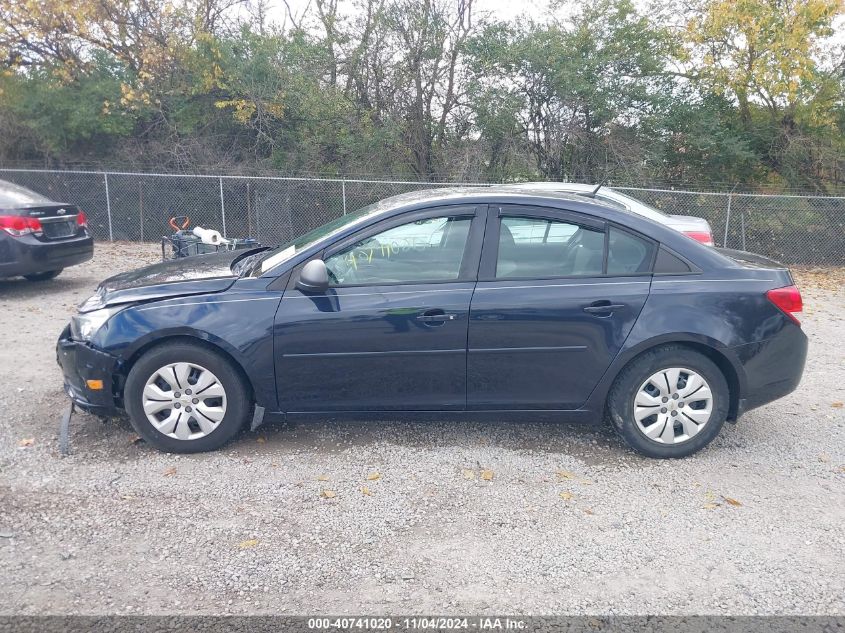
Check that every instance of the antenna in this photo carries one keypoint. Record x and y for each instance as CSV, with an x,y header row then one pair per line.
x,y
592,194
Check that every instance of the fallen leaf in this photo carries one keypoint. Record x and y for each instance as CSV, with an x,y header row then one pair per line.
x,y
588,511
841,469
366,491
710,506
247,544
323,478
565,474
586,482
824,458
838,405
273,465
328,494
487,475
136,439
260,440
567,496
732,502
373,476
27,442
127,497
170,471
468,474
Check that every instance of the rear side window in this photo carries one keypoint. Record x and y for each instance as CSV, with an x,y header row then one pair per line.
x,y
669,264
538,247
628,254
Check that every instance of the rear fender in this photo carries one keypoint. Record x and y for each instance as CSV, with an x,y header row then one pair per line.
x,y
723,356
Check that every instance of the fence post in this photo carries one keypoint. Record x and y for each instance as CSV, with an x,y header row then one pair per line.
x,y
141,206
728,218
222,206
108,205
343,188
742,224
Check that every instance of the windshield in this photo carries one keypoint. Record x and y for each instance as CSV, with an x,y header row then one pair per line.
x,y
280,254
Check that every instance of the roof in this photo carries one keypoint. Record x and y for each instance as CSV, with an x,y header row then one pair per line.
x,y
435,194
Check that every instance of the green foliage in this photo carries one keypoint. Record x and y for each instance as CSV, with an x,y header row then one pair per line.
x,y
63,118
741,92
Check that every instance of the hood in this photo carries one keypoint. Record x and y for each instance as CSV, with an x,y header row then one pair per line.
x,y
199,274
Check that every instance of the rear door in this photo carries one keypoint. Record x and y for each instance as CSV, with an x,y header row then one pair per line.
x,y
391,331
558,294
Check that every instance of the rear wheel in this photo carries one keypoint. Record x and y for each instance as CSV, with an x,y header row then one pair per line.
x,y
669,402
45,276
186,398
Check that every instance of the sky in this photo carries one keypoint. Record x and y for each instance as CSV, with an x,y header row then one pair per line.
x,y
502,9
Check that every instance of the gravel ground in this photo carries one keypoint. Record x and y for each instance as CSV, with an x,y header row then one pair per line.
x,y
394,518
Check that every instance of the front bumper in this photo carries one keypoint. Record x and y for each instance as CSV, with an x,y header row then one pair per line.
x,y
81,362
28,255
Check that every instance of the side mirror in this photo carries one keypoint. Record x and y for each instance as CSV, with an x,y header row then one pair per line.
x,y
314,277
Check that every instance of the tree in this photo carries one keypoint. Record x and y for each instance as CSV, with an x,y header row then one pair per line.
x,y
774,57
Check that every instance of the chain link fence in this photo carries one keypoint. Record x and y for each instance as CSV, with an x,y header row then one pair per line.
x,y
137,206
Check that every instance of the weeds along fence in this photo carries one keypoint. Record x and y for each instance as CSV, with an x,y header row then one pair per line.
x,y
136,207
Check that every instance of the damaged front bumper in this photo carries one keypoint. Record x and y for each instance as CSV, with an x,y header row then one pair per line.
x,y
92,378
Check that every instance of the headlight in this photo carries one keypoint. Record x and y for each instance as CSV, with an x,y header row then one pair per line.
x,y
83,327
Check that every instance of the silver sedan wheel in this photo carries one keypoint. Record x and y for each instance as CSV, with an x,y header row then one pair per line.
x,y
673,405
184,401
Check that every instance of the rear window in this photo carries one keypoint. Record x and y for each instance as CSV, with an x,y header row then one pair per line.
x,y
12,196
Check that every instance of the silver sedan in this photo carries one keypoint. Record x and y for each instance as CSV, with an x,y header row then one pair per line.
x,y
691,226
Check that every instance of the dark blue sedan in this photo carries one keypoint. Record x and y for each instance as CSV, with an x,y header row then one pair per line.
x,y
485,303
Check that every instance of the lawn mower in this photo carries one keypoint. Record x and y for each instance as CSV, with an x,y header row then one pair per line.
x,y
186,242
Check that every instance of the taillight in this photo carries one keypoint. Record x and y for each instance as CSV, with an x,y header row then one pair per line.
x,y
81,218
788,300
18,225
705,237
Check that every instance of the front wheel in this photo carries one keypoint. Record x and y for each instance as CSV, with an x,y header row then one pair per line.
x,y
670,402
186,398
45,276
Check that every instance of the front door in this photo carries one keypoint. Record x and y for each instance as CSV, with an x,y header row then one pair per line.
x,y
391,331
557,296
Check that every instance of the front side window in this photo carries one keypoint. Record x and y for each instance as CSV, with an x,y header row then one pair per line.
x,y
538,247
431,249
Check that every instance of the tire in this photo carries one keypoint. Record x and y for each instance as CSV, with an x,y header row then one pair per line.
x,y
637,382
192,432
45,276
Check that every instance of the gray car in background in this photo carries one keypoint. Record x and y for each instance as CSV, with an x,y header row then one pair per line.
x,y
691,226
38,236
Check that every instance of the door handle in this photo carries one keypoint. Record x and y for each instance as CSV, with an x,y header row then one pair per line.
x,y
600,308
435,317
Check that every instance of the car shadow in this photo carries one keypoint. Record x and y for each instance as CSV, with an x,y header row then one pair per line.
x,y
20,288
593,445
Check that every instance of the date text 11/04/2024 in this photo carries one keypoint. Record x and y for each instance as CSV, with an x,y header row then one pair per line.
x,y
418,623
